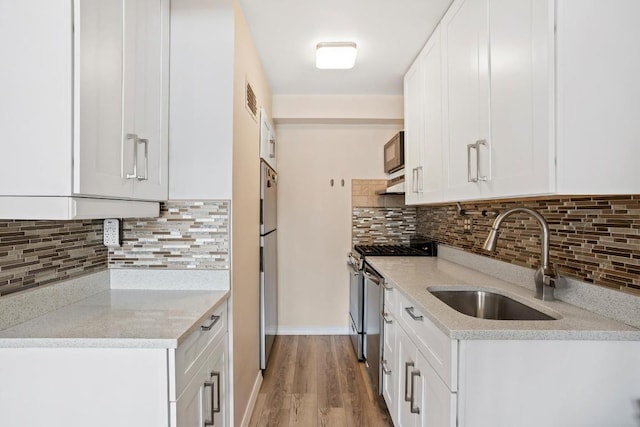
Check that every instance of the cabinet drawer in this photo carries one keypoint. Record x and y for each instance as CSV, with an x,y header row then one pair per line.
x,y
439,350
190,355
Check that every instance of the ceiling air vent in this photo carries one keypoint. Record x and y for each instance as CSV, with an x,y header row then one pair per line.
x,y
251,101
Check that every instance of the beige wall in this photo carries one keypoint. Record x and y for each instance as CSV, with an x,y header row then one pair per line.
x,y
314,219
245,226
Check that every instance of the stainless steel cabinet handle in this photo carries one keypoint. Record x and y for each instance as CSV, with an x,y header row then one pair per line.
x,y
412,314
469,148
134,174
216,409
415,410
208,384
407,365
215,400
146,159
272,148
478,144
414,172
385,370
208,327
419,171
386,319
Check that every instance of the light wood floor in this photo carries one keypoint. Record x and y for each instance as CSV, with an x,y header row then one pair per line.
x,y
316,381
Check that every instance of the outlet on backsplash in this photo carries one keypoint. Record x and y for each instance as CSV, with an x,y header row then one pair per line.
x,y
468,225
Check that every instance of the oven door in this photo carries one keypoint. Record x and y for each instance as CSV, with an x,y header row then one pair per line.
x,y
373,326
356,310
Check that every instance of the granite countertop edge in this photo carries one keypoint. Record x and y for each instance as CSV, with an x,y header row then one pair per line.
x,y
413,275
95,322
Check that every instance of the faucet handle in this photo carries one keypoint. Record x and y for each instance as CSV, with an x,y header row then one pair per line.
x,y
549,280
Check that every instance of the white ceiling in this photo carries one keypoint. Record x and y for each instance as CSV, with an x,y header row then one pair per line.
x,y
389,35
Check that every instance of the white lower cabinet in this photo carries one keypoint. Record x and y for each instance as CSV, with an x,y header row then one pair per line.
x,y
423,398
389,362
124,387
440,382
203,401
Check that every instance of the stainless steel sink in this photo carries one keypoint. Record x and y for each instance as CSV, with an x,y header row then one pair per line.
x,y
488,305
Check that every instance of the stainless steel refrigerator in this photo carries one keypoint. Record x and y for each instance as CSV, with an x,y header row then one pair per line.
x,y
268,262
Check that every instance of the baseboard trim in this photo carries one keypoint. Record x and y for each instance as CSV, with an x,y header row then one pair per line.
x,y
246,418
312,331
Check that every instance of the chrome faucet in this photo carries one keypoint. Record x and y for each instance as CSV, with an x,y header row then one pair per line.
x,y
545,277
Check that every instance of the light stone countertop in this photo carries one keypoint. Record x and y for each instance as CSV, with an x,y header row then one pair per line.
x,y
413,275
119,318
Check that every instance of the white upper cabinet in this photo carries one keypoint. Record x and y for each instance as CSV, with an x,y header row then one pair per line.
x,y
423,125
535,101
467,135
414,131
121,127
88,93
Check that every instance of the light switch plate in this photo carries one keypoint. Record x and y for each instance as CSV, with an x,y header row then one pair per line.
x,y
111,233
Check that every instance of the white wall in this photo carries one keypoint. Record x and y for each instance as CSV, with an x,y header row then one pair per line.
x,y
314,219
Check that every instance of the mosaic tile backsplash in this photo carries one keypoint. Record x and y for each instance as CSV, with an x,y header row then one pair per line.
x,y
187,235
35,253
594,239
383,226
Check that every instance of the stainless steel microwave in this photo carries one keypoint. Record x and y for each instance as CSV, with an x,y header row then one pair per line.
x,y
394,153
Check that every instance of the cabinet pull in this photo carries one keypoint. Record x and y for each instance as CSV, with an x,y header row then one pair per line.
x,y
386,286
208,327
478,144
145,177
215,397
385,370
412,314
469,148
216,409
407,365
208,384
134,175
415,410
272,148
386,319
419,171
137,141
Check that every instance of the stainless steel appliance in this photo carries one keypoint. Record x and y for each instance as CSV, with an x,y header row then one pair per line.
x,y
356,304
394,153
365,299
268,262
373,283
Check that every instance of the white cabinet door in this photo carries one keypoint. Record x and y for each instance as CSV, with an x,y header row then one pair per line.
x,y
218,380
522,142
121,66
430,178
467,130
436,403
405,365
413,131
204,399
146,86
99,154
389,369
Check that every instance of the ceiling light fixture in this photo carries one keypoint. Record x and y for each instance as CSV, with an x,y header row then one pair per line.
x,y
336,55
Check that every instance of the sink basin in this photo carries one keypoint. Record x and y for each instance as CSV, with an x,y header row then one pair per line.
x,y
488,305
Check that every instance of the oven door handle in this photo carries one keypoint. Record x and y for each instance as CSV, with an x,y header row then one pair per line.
x,y
375,279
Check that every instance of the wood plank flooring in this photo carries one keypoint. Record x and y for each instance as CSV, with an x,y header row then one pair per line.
x,y
316,381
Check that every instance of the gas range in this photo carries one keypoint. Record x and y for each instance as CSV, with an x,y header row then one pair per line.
x,y
423,249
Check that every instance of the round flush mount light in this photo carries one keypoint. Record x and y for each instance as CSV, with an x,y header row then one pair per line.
x,y
336,55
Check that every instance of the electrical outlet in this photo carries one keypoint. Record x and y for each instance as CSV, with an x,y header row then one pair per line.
x,y
468,225
111,233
